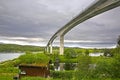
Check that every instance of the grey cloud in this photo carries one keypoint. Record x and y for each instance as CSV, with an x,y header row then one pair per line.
x,y
104,27
42,18
23,19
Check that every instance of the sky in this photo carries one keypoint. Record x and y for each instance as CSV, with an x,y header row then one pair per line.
x,y
33,22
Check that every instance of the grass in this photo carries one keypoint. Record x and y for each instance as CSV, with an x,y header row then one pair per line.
x,y
7,76
33,78
8,71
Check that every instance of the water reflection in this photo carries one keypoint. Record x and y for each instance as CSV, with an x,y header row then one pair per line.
x,y
9,56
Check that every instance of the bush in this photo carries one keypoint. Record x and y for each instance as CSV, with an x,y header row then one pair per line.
x,y
116,67
70,66
83,70
64,75
103,69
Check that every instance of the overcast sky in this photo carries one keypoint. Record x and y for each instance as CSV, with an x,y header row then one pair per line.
x,y
34,22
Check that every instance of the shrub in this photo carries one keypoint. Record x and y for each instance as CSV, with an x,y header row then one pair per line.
x,y
64,75
70,66
83,70
116,67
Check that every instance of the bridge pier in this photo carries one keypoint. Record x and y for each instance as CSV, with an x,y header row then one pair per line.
x,y
51,48
47,49
61,44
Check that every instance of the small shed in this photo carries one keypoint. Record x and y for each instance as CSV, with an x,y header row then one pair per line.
x,y
39,70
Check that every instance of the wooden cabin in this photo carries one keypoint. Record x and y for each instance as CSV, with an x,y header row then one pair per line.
x,y
38,70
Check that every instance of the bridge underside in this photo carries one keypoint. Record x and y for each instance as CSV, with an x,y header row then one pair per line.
x,y
96,8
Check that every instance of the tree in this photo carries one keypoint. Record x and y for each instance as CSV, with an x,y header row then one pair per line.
x,y
107,53
118,42
87,52
69,53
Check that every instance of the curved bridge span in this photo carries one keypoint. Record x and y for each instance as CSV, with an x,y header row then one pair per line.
x,y
94,9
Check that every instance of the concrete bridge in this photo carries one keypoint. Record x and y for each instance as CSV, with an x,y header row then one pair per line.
x,y
98,7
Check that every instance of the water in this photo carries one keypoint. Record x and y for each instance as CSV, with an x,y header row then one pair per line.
x,y
96,54
9,56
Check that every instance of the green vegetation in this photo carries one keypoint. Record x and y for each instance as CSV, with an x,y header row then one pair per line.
x,y
83,70
9,69
87,68
38,78
37,58
7,73
63,75
27,58
19,48
33,78
91,68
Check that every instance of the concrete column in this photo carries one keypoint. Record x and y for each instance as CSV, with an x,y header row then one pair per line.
x,y
47,49
61,44
51,48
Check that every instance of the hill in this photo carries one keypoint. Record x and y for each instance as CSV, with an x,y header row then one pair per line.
x,y
19,48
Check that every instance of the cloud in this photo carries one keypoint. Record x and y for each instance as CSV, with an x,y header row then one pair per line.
x,y
23,19
37,20
22,41
104,27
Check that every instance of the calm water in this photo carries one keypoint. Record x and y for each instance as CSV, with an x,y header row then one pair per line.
x,y
9,56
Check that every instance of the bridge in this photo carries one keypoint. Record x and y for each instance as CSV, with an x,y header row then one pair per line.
x,y
98,7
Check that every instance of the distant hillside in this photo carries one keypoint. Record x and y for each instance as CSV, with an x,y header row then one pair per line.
x,y
19,48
